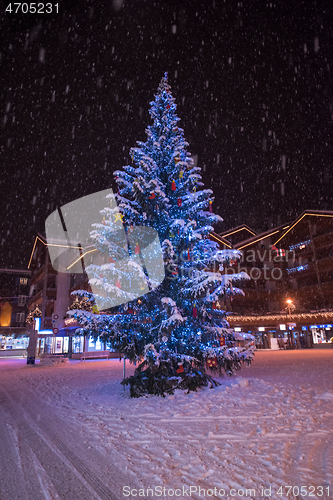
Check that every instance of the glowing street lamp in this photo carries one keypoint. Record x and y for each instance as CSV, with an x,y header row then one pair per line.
x,y
289,305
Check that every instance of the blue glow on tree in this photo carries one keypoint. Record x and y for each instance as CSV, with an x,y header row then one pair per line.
x,y
177,327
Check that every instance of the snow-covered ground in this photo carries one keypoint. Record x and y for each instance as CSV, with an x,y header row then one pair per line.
x,y
259,433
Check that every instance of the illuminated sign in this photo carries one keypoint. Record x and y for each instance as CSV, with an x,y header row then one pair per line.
x,y
70,322
41,332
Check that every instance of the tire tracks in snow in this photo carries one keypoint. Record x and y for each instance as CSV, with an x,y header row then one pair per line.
x,y
53,461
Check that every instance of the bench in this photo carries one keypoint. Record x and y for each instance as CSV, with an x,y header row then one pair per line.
x,y
94,355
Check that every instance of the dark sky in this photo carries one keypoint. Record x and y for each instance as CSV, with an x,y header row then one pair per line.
x,y
253,83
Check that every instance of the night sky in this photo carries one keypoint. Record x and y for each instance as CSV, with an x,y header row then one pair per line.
x,y
252,80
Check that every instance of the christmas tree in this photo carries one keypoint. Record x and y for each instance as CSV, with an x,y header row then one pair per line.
x,y
176,330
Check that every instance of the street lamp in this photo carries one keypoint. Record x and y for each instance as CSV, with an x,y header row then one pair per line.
x,y
289,305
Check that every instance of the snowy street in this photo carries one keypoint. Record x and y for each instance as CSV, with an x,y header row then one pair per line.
x,y
43,456
72,432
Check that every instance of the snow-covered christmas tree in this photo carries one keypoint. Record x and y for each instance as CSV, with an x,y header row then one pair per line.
x,y
176,330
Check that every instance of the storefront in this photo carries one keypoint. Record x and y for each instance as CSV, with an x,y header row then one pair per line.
x,y
13,344
276,332
68,341
322,334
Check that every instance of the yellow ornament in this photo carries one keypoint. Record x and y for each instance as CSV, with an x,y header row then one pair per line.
x,y
118,216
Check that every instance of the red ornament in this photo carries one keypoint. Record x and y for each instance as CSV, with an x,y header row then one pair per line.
x,y
180,369
177,159
211,362
179,202
222,341
118,285
152,196
111,261
173,185
195,312
214,305
188,254
103,221
137,249
168,106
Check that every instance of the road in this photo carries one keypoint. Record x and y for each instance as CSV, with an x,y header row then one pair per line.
x,y
43,457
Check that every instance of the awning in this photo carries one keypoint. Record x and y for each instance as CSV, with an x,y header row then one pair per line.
x,y
69,331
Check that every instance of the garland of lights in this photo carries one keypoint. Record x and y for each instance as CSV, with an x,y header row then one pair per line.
x,y
271,317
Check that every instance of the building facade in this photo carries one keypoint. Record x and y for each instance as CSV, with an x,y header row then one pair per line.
x,y
290,292
287,302
14,292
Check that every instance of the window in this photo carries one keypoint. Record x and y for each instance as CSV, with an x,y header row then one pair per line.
x,y
22,300
23,281
20,317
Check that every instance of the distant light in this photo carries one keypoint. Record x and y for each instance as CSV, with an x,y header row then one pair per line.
x,y
282,327
37,324
261,328
237,329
